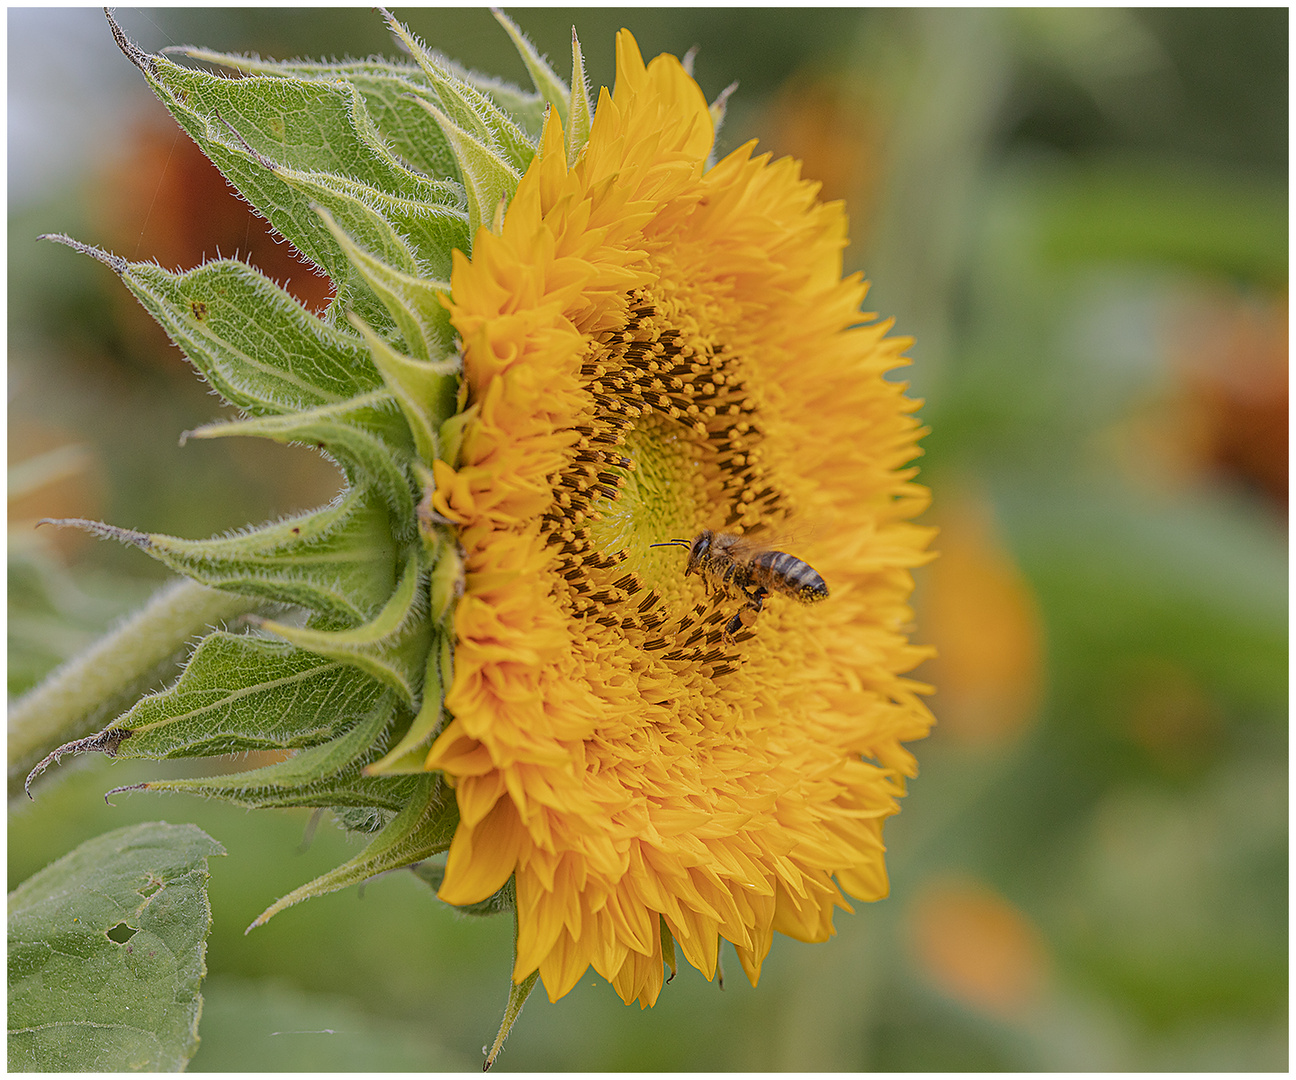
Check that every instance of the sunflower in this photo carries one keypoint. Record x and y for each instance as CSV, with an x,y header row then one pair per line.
x,y
652,348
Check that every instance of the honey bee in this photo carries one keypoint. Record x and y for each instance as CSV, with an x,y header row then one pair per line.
x,y
730,563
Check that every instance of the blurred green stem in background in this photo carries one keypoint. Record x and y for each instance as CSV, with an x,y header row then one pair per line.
x,y
948,109
83,694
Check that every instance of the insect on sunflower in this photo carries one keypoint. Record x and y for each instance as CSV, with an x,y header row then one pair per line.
x,y
651,349
564,347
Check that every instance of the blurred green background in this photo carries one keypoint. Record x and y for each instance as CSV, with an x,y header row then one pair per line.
x,y
1081,216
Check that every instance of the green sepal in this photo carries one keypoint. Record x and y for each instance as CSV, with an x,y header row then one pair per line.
x,y
668,946
410,753
489,179
447,582
502,901
468,108
327,775
349,789
240,692
304,767
582,111
393,647
545,79
525,109
414,302
423,828
413,233
426,390
338,560
452,433
717,110
387,87
430,529
260,348
357,434
518,994
309,124
253,126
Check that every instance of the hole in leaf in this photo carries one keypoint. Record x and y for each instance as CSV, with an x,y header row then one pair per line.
x,y
121,933
150,888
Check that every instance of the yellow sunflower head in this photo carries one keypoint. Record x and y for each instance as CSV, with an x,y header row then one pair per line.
x,y
668,743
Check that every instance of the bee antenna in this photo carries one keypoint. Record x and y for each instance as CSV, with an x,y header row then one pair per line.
x,y
672,543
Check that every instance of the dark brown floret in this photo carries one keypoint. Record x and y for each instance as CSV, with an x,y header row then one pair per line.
x,y
650,367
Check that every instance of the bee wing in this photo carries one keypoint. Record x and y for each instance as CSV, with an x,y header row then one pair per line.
x,y
791,538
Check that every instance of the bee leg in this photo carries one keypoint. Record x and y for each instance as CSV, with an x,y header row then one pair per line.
x,y
745,616
756,597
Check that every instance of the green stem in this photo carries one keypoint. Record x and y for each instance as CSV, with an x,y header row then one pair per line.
x,y
79,697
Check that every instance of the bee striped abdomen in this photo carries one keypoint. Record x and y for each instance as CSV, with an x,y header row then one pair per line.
x,y
787,574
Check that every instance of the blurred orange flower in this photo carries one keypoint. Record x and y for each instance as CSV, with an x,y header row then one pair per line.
x,y
1224,415
977,948
1230,354
982,617
162,199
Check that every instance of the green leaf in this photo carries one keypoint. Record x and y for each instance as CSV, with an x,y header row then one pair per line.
x,y
241,693
106,953
422,829
357,434
392,648
338,560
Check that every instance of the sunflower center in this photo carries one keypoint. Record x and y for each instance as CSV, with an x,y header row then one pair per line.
x,y
660,494
670,445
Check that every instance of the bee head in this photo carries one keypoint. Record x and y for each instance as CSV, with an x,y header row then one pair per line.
x,y
696,548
